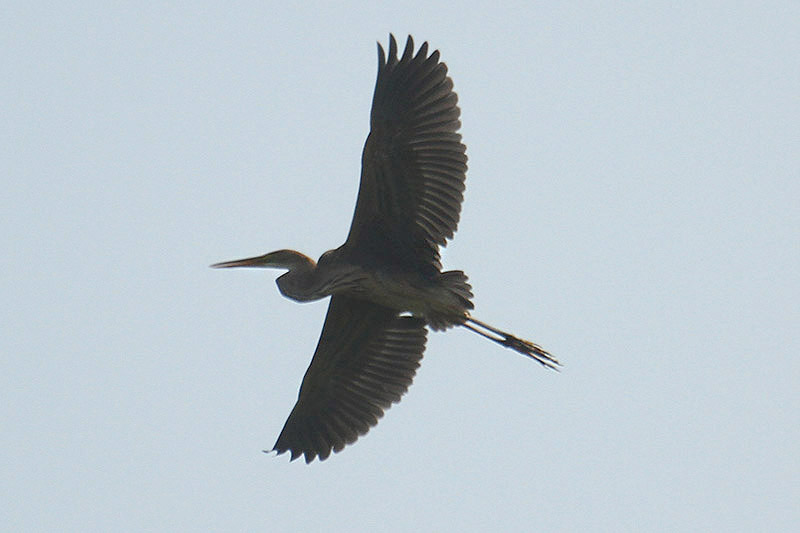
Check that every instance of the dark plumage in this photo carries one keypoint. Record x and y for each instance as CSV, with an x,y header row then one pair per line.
x,y
385,281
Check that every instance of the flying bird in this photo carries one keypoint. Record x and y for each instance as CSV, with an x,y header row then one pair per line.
x,y
386,281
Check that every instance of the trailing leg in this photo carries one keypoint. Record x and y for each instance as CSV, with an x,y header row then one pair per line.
x,y
510,341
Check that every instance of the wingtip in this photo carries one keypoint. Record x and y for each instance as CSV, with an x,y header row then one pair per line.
x,y
409,51
392,48
292,455
381,55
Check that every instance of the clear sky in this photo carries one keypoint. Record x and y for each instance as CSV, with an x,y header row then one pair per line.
x,y
633,205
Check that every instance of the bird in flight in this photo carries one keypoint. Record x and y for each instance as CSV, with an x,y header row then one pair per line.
x,y
386,281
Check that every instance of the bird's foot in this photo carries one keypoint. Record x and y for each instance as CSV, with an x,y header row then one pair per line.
x,y
534,351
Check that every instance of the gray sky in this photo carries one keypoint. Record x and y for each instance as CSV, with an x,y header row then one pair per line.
x,y
632,205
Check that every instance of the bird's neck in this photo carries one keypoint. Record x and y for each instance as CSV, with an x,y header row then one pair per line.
x,y
301,283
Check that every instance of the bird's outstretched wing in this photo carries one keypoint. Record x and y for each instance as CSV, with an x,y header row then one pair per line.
x,y
413,164
365,360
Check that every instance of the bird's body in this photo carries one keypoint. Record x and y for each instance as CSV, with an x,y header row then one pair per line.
x,y
386,281
443,298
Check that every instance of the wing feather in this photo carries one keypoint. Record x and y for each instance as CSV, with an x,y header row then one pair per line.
x,y
365,361
414,164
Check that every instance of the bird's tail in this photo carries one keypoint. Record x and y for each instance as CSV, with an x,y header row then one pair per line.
x,y
508,340
456,294
456,283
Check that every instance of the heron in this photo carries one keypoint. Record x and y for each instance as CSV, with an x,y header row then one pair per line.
x,y
386,283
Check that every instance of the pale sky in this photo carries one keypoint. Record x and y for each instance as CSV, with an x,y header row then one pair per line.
x,y
632,204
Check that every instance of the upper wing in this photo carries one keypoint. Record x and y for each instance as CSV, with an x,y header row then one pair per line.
x,y
365,361
413,165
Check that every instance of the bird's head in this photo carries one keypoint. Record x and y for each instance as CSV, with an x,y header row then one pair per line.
x,y
297,283
288,259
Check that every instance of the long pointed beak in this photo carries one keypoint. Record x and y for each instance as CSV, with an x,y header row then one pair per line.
x,y
258,262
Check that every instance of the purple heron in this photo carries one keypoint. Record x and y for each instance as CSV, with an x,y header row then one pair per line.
x,y
385,282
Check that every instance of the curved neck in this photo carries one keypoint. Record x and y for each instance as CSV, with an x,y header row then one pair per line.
x,y
300,282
